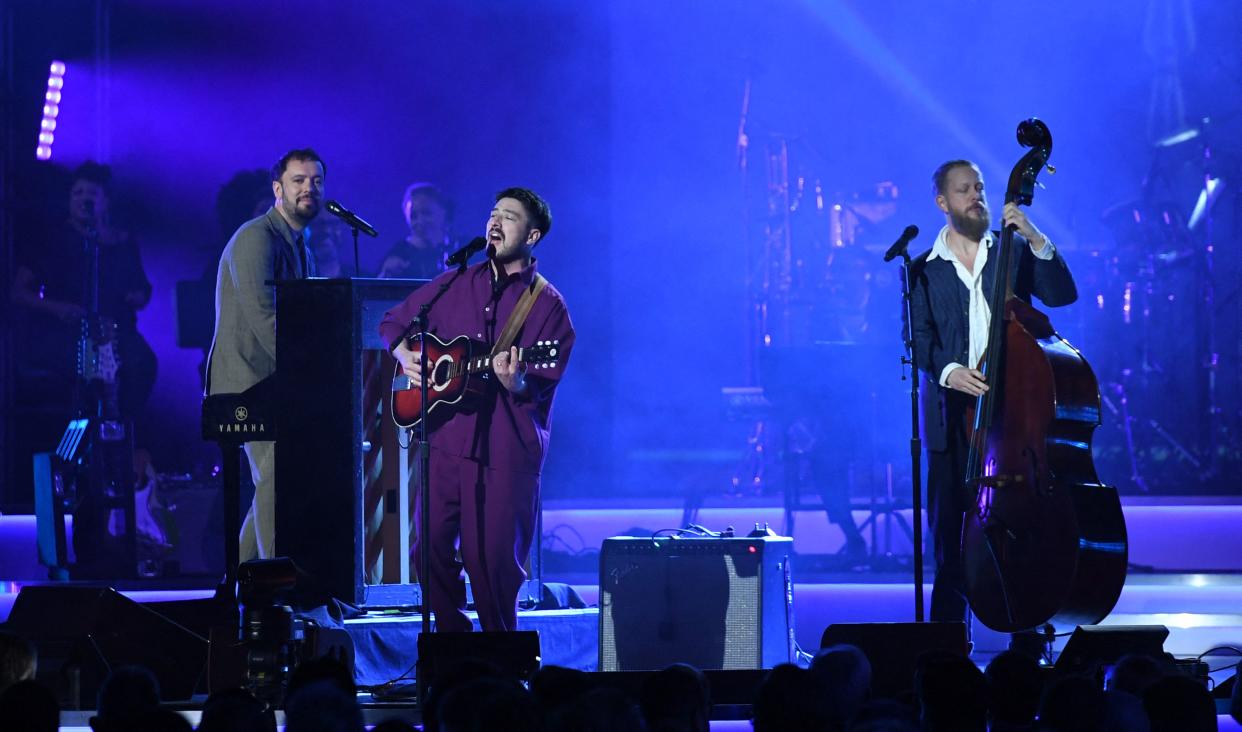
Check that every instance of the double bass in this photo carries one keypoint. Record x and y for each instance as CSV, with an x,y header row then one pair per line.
x,y
1044,540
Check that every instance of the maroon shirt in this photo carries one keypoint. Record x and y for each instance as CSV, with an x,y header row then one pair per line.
x,y
507,431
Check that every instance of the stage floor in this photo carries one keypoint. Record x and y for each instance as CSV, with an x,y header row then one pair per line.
x,y
1186,574
1202,611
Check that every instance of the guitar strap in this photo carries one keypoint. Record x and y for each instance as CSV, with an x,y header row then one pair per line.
x,y
518,316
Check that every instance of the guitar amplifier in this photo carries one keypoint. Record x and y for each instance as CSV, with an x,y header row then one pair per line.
x,y
712,603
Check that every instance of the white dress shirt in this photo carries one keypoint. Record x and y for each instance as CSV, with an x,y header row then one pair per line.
x,y
979,312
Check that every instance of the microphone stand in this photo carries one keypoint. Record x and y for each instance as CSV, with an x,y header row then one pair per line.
x,y
357,266
916,443
418,327
90,245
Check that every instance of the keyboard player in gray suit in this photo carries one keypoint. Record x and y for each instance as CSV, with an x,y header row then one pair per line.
x,y
243,349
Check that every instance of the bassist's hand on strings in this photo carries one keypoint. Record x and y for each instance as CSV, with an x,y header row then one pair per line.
x,y
1016,217
411,362
510,371
967,380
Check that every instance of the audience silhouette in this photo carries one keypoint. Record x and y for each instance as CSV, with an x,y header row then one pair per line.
x,y
950,693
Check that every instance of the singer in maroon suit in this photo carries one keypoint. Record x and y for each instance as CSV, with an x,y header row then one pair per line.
x,y
485,464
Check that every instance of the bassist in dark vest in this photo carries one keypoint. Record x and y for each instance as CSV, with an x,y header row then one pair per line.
x,y
951,316
487,457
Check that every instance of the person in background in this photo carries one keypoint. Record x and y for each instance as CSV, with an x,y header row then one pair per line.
x,y
53,285
18,661
421,254
332,246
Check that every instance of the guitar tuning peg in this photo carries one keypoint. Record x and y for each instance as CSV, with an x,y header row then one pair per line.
x,y
1052,169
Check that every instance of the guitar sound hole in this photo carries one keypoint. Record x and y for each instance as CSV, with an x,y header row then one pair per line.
x,y
441,373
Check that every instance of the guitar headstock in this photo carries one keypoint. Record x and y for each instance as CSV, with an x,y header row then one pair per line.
x,y
542,355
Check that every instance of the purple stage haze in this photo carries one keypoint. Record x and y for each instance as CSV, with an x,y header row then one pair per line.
x,y
626,117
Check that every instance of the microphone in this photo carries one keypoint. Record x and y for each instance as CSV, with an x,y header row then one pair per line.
x,y
902,242
350,218
461,256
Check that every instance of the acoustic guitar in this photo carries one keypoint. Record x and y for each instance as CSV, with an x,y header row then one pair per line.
x,y
458,372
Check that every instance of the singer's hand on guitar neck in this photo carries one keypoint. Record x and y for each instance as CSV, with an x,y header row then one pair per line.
x,y
411,363
510,371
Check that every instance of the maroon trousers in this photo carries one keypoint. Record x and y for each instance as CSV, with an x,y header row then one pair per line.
x,y
490,514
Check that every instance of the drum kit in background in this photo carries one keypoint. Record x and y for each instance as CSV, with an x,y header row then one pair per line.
x,y
1158,318
1161,322
1165,349
826,337
817,276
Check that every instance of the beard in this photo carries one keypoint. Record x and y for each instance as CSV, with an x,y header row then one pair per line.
x,y
972,223
304,211
504,254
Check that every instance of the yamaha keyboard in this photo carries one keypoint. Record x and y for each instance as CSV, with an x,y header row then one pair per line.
x,y
230,420
249,415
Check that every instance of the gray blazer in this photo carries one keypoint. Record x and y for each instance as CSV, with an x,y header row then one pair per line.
x,y
243,349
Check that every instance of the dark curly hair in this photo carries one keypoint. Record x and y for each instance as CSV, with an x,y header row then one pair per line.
x,y
301,153
237,199
536,208
97,173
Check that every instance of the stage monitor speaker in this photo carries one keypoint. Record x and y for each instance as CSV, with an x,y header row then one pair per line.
x,y
1094,646
516,653
894,648
83,632
712,603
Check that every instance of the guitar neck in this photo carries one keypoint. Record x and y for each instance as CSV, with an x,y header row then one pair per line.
x,y
479,364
